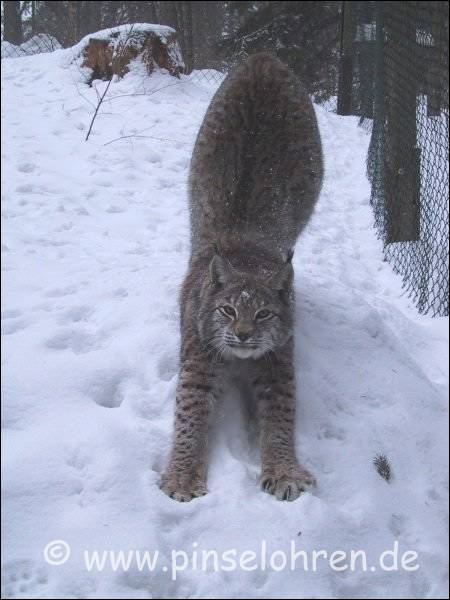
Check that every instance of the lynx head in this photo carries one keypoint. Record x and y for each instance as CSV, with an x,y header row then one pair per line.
x,y
243,315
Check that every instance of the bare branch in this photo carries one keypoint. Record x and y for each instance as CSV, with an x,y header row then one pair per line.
x,y
147,93
116,55
136,136
97,109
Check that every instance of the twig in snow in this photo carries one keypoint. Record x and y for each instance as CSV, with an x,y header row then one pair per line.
x,y
150,93
97,109
96,92
102,97
136,135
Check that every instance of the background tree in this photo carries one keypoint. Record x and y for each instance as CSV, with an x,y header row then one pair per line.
x,y
12,23
208,20
305,35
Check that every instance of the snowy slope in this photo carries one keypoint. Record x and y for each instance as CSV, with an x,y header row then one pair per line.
x,y
94,247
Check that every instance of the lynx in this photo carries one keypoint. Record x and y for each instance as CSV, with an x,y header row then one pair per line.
x,y
256,173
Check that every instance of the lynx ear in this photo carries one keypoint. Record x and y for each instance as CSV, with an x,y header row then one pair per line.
x,y
220,270
282,280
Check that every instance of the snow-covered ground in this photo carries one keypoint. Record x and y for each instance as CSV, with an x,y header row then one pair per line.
x,y
94,247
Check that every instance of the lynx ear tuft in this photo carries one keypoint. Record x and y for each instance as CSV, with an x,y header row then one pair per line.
x,y
289,255
220,270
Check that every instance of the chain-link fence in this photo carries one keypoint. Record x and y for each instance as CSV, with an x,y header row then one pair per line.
x,y
393,72
42,42
210,76
394,69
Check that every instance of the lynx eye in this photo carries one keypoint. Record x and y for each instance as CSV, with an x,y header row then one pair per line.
x,y
228,311
263,314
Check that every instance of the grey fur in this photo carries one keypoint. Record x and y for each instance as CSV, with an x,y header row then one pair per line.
x,y
256,173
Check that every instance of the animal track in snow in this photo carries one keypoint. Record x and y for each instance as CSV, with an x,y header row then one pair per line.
x,y
11,314
120,292
64,227
64,291
78,462
78,459
397,525
26,167
11,326
330,432
115,209
23,579
75,314
103,183
78,341
168,366
25,188
165,183
82,211
106,388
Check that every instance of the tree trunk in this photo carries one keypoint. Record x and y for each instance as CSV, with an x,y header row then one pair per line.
x,y
179,16
345,91
12,23
33,18
402,156
167,13
184,19
73,22
151,12
91,20
207,24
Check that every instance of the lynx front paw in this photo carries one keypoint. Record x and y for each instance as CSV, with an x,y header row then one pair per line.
x,y
181,487
287,484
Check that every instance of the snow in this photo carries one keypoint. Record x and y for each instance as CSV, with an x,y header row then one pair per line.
x,y
125,29
95,243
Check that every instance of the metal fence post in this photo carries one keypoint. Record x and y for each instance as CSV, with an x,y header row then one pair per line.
x,y
345,87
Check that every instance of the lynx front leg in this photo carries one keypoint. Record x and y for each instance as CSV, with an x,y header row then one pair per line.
x,y
281,475
185,476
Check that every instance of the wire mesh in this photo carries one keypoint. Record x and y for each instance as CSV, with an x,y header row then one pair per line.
x,y
393,73
399,77
42,42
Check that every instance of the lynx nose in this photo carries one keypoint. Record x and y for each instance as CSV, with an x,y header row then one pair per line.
x,y
243,335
